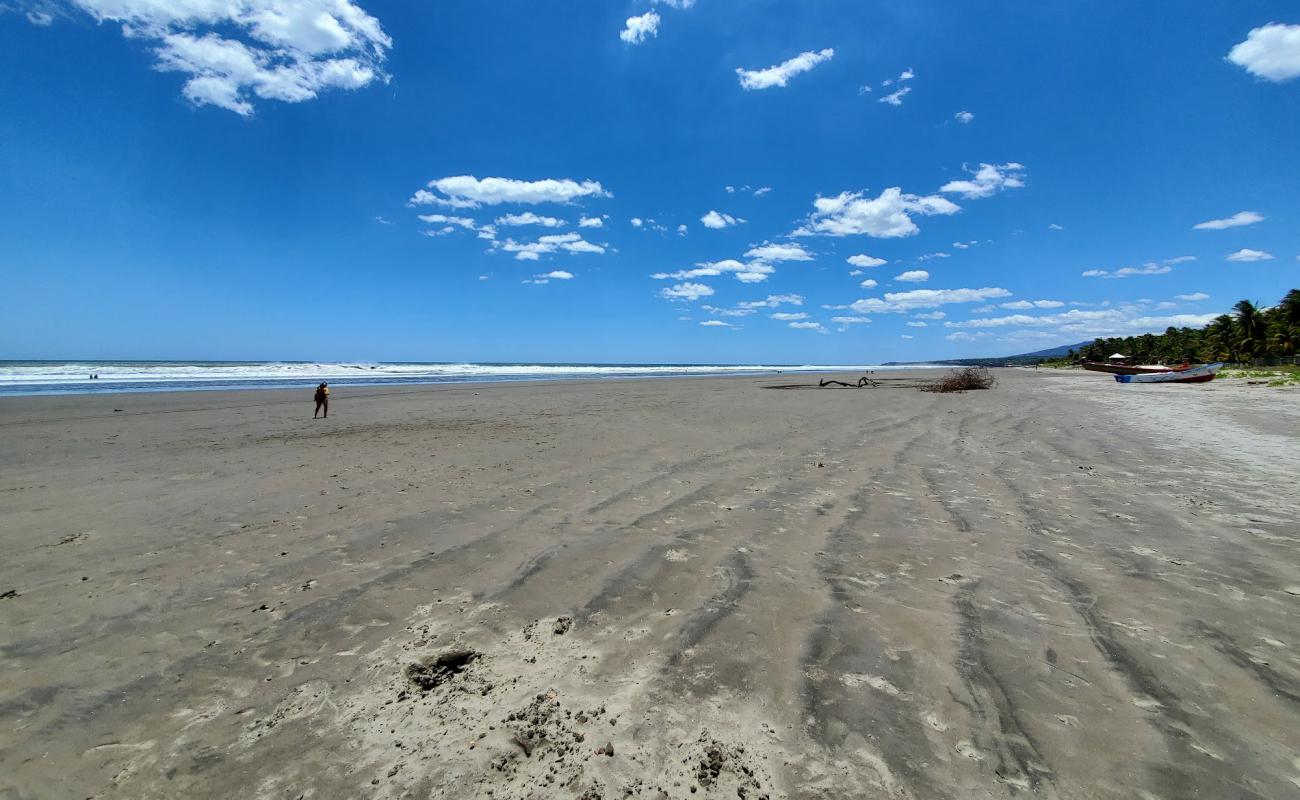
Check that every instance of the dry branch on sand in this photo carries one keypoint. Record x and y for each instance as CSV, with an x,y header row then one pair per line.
x,y
962,380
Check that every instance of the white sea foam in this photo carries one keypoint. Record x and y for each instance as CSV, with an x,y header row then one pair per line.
x,y
25,377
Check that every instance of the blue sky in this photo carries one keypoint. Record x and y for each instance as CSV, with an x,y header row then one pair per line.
x,y
346,179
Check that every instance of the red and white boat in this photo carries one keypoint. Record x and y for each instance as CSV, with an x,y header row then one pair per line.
x,y
1198,374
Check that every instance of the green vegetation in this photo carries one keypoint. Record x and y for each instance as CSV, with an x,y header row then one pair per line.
x,y
1283,375
1250,332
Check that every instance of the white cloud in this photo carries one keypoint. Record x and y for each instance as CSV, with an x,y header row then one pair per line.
x,y
896,98
443,219
762,190
674,3
40,18
964,117
638,28
686,291
1271,52
467,191
787,316
809,326
1026,304
1241,218
868,284
532,251
918,324
774,300
681,229
1149,268
962,336
768,251
1055,227
913,276
931,315
729,312
850,320
591,222
715,220
233,51
1194,297
932,256
781,74
1129,318
716,323
898,302
559,275
753,272
1246,254
906,336
988,179
864,260
528,218
885,217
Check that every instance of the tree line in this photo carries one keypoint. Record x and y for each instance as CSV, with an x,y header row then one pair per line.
x,y
1248,333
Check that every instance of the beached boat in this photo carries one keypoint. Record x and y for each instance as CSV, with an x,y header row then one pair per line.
x,y
1126,369
1198,374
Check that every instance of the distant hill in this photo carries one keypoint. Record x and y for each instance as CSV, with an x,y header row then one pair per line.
x,y
1022,358
1053,352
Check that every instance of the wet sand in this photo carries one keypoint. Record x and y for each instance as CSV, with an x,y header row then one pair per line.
x,y
698,588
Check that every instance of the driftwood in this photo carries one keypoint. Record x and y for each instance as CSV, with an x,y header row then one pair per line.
x,y
863,381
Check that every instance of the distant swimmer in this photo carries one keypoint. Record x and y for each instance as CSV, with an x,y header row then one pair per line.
x,y
322,400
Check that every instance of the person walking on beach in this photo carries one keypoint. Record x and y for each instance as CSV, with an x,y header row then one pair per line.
x,y
322,400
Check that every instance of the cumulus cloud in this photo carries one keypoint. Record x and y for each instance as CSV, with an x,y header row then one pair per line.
x,y
896,98
1246,254
781,74
467,191
931,315
686,291
885,217
773,301
787,316
532,251
235,51
754,272
591,222
850,320
1194,297
779,252
809,326
528,218
729,312
913,276
987,180
962,336
899,302
963,117
1271,52
1027,304
716,220
918,324
1149,268
716,323
1129,318
638,28
863,260
1237,220
868,284
554,275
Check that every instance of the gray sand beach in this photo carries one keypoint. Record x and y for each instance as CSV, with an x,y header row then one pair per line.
x,y
689,588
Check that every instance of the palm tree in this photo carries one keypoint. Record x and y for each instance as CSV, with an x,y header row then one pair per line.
x,y
1252,334
1220,338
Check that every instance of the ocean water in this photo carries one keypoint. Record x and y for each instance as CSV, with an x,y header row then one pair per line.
x,y
73,377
